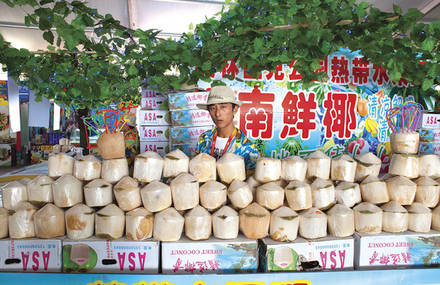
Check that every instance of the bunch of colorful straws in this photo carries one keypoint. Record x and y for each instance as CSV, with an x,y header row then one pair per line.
x,y
405,118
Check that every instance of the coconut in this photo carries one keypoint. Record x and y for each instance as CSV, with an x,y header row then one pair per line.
x,y
268,169
12,194
49,222
111,146
203,167
175,162
98,193
240,194
405,142
323,194
318,165
225,223
428,191
139,224
67,191
213,195
348,194
168,225
185,191
230,167
313,224
39,190
25,181
87,168
21,221
343,168
253,184
60,164
368,218
254,221
374,190
127,193
80,222
293,168
148,166
114,169
282,183
109,222
270,195
394,218
4,222
419,218
368,164
284,224
198,224
340,220
156,196
436,219
429,165
298,195
405,165
401,189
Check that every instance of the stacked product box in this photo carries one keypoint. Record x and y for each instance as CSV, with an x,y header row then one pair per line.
x,y
430,134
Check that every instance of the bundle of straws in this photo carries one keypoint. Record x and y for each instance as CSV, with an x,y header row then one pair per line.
x,y
405,118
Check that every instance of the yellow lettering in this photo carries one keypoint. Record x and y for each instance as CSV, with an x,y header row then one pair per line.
x,y
292,282
245,283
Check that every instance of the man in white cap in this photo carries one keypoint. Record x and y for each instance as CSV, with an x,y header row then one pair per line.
x,y
222,107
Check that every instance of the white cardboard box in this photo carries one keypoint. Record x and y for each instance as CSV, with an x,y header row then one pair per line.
x,y
154,133
186,100
161,148
110,256
302,255
154,103
154,117
30,255
187,135
191,118
431,121
210,256
386,250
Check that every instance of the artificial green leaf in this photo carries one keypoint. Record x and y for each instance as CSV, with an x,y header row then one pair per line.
x,y
48,36
428,44
427,83
132,70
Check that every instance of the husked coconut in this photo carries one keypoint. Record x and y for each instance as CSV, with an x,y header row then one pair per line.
x,y
293,168
175,162
39,190
109,222
407,142
299,195
368,218
114,169
240,194
429,165
313,224
348,194
405,165
343,168
60,164
284,223
270,195
49,222
80,222
213,195
340,220
12,194
98,193
148,166
394,218
3,223
203,167
254,221
87,168
225,223
230,167
368,164
318,165
282,183
419,218
168,225
25,181
21,221
253,184
401,189
127,193
198,224
185,191
139,224
323,194
67,191
428,191
374,190
156,196
268,169
111,145
436,219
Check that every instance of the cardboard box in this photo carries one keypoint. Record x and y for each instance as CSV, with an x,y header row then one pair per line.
x,y
191,118
431,121
327,253
154,117
186,100
147,93
397,250
154,133
429,148
161,148
110,256
188,149
430,136
182,135
30,255
210,256
154,103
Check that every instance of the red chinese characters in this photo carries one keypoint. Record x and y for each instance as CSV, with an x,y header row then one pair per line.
x,y
230,70
339,70
360,71
380,75
279,74
294,75
290,115
340,115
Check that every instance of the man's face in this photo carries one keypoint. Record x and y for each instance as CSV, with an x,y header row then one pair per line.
x,y
222,114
